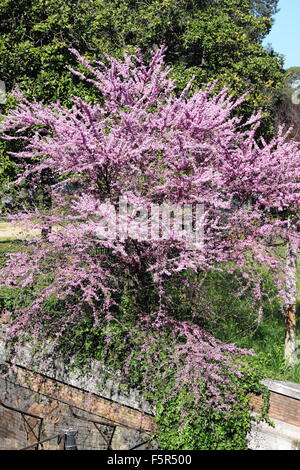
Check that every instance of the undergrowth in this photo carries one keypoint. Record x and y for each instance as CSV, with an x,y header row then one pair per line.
x,y
181,424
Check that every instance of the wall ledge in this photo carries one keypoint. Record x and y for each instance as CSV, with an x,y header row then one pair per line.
x,y
289,389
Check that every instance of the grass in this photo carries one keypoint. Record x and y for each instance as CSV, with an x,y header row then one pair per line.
x,y
10,245
267,342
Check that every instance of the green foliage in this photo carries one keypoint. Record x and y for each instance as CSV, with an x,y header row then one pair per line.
x,y
267,341
265,7
211,40
34,41
226,307
7,167
182,423
181,426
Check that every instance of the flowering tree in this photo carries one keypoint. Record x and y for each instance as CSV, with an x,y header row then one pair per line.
x,y
150,149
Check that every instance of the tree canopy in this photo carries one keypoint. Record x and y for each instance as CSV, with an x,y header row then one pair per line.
x,y
209,39
265,7
153,147
150,146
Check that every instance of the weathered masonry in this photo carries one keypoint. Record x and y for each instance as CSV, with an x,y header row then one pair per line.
x,y
39,402
284,412
34,407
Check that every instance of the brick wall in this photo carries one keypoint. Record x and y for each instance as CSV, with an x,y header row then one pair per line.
x,y
282,407
17,429
284,412
34,407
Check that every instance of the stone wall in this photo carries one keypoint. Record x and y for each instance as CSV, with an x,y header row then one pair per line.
x,y
39,400
34,407
284,412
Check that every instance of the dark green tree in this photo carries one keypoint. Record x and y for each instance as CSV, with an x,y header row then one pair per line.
x,y
265,7
210,39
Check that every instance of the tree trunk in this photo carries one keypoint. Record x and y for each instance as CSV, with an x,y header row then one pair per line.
x,y
290,306
46,177
45,232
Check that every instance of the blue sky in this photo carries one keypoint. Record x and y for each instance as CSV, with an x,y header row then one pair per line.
x,y
285,34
